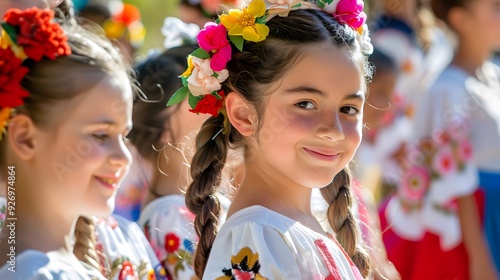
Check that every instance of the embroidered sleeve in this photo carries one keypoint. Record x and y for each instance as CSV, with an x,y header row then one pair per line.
x,y
171,234
252,251
438,169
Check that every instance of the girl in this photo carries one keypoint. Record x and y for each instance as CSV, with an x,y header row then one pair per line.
x,y
66,103
457,128
161,141
289,91
159,137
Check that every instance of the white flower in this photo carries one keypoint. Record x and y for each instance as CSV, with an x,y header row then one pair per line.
x,y
202,80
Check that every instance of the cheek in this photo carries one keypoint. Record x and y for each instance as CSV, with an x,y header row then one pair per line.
x,y
353,133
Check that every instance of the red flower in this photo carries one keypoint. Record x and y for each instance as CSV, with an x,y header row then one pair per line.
x,y
11,75
127,270
172,242
38,34
209,104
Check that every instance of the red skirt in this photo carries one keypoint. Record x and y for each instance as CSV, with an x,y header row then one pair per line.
x,y
424,259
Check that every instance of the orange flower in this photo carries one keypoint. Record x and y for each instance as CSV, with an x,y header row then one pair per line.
x,y
4,119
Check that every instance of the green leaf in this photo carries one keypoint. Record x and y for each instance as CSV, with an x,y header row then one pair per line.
x,y
262,19
237,41
184,81
200,53
178,96
193,100
11,31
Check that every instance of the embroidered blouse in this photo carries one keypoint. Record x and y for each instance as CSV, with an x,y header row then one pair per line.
x,y
258,243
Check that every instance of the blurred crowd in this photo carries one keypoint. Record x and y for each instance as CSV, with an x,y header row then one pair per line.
x,y
426,176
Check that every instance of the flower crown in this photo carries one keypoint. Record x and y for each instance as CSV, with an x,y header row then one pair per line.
x,y
207,64
29,34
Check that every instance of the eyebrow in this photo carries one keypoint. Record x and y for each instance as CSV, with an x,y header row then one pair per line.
x,y
301,89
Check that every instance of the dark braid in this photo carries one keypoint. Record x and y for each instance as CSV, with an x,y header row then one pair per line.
x,y
206,169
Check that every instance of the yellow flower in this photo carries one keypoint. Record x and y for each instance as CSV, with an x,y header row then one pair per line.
x,y
243,23
6,42
4,119
190,68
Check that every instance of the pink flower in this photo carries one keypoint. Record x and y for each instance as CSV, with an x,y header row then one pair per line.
x,y
464,150
202,80
441,137
213,39
415,184
351,12
444,162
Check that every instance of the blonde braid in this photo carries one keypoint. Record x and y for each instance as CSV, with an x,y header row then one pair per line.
x,y
338,196
85,243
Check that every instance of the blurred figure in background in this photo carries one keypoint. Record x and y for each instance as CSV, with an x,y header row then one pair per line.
x,y
434,222
386,131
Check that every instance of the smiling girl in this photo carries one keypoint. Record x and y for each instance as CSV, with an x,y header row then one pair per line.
x,y
67,105
289,91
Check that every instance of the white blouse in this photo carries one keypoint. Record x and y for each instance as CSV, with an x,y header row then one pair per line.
x,y
258,243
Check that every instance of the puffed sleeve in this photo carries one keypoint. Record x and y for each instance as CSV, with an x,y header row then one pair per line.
x,y
253,251
168,226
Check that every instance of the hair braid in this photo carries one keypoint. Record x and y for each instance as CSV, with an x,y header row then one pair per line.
x,y
206,169
338,196
85,243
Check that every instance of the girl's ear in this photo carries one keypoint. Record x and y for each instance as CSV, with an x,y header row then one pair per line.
x,y
241,114
20,134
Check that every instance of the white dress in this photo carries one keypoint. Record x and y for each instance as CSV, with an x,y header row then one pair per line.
x,y
258,243
168,225
125,250
55,265
458,125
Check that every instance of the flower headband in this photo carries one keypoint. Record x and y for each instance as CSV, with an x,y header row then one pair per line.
x,y
207,64
29,34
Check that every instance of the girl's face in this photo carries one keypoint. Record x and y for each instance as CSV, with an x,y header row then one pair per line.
x,y
484,20
312,123
83,158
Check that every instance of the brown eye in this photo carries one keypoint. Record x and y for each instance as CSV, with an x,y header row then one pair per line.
x,y
306,105
349,110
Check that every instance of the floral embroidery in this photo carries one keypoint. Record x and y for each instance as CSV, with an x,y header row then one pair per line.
x,y
127,271
171,242
445,153
177,257
244,266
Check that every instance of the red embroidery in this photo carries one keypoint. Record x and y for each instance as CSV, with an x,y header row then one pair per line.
x,y
329,261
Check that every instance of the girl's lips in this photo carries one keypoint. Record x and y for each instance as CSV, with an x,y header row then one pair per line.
x,y
327,156
108,182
